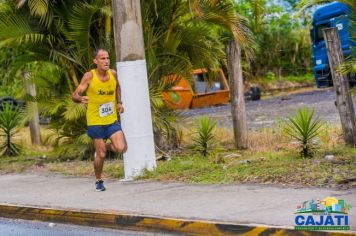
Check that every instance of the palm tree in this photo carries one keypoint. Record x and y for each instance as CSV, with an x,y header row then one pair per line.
x,y
179,37
182,36
56,32
308,3
64,32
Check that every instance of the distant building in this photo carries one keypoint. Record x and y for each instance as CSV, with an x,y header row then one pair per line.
x,y
336,207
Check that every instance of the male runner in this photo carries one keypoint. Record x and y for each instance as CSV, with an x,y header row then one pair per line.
x,y
103,99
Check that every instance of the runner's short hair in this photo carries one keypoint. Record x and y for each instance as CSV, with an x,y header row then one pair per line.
x,y
96,51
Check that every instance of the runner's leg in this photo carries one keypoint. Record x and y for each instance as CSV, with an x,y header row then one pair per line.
x,y
100,150
118,142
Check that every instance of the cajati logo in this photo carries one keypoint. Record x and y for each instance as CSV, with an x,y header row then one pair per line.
x,y
328,214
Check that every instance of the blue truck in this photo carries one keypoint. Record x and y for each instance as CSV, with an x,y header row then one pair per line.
x,y
335,14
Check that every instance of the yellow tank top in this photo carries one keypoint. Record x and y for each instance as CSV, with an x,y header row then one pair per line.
x,y
101,108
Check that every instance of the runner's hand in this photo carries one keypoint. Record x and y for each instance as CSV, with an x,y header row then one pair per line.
x,y
84,99
119,108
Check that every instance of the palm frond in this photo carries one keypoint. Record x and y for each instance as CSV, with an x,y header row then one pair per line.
x,y
79,23
304,4
38,7
15,28
74,111
223,14
348,66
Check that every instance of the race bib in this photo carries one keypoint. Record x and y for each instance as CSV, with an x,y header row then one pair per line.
x,y
106,109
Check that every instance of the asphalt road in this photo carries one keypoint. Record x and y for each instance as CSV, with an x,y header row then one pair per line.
x,y
267,112
10,227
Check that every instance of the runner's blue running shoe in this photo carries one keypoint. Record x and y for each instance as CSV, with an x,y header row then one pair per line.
x,y
99,186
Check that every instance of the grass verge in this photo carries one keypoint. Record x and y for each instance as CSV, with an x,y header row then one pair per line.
x,y
281,167
271,159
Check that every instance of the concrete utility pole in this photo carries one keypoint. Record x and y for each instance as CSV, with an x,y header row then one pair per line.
x,y
237,98
341,84
33,109
132,74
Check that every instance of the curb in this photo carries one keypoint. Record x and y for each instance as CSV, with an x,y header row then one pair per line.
x,y
135,222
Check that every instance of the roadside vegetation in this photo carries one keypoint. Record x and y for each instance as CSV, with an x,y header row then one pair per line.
x,y
272,158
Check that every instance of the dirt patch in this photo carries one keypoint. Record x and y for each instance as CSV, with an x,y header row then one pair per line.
x,y
270,110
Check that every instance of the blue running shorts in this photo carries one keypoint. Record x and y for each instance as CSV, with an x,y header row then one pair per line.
x,y
103,131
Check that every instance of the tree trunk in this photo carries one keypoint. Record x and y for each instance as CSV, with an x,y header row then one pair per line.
x,y
237,99
132,74
341,84
33,110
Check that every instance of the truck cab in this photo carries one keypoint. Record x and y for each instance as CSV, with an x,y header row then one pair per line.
x,y
337,15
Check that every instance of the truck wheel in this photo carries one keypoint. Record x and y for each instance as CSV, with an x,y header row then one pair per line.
x,y
352,79
255,92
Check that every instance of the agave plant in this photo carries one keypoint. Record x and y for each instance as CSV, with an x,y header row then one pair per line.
x,y
304,128
10,119
204,139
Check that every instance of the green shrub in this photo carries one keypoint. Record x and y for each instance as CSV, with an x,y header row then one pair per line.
x,y
10,119
306,78
270,76
304,128
204,139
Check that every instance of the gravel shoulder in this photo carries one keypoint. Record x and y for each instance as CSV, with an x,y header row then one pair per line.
x,y
266,112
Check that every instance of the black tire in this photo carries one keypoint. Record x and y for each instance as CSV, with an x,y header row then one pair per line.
x,y
352,79
9,100
255,92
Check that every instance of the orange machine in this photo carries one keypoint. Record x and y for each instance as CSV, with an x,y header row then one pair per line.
x,y
205,92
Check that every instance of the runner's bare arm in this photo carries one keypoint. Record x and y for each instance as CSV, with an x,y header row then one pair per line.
x,y
84,83
120,108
